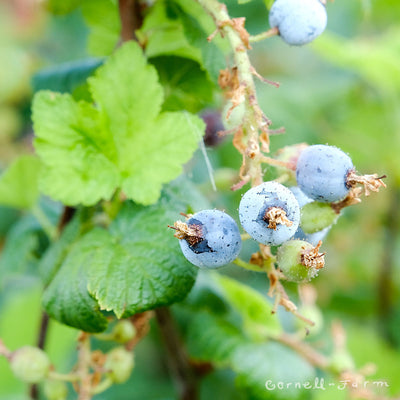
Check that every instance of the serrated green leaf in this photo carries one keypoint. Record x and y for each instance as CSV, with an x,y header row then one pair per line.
x,y
74,149
122,142
213,339
142,266
178,134
19,184
256,364
56,253
67,298
65,77
254,309
135,266
103,20
165,36
21,249
212,57
186,86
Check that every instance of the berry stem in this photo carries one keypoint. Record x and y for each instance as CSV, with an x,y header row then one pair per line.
x,y
63,377
264,35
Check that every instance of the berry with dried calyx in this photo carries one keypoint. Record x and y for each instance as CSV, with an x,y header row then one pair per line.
x,y
209,238
269,213
298,21
300,261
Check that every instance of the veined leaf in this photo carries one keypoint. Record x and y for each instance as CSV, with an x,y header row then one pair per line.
x,y
19,184
123,142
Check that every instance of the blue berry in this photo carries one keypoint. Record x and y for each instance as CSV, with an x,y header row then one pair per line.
x,y
298,21
209,238
301,197
312,238
269,213
322,173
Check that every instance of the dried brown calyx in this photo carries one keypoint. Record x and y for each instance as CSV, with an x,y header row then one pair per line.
x,y
312,258
192,233
371,183
275,216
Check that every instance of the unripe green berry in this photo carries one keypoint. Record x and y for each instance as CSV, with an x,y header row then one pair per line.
x,y
30,364
123,331
119,364
300,261
341,361
316,216
289,154
55,390
313,313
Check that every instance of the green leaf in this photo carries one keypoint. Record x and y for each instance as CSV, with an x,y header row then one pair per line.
x,y
19,184
21,250
77,155
213,339
65,77
135,266
61,7
67,298
52,260
268,3
212,57
243,1
254,309
186,86
142,266
105,26
123,142
256,364
165,36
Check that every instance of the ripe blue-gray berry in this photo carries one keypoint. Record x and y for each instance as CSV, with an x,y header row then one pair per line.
x,y
312,238
301,197
209,238
298,21
269,213
322,173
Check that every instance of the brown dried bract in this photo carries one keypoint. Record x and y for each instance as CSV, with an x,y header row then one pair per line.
x,y
371,183
191,233
275,216
238,25
312,258
257,259
352,198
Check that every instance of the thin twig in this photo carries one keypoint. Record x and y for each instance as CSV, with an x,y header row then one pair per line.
x,y
178,361
131,19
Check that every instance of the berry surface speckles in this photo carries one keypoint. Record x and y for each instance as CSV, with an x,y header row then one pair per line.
x,y
218,242
322,173
299,21
255,208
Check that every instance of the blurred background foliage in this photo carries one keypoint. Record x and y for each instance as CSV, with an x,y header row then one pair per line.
x,y
344,90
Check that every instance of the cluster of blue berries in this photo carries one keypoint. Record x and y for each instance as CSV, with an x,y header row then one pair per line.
x,y
298,21
295,218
